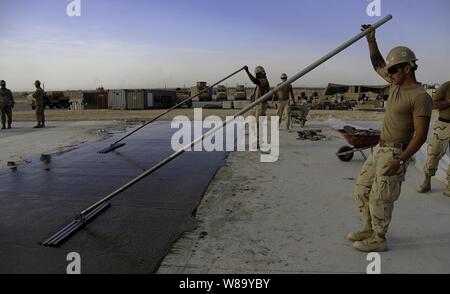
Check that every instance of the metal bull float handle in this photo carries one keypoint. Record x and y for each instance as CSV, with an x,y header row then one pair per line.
x,y
98,207
117,143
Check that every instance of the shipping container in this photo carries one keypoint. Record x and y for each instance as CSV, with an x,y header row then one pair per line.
x,y
135,99
102,100
95,99
159,99
90,99
74,95
117,99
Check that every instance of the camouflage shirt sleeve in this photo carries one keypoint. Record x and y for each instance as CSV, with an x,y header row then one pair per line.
x,y
39,96
441,93
264,84
11,97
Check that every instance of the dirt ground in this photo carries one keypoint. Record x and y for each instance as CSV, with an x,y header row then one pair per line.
x,y
143,115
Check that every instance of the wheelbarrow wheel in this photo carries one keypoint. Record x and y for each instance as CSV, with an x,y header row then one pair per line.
x,y
345,157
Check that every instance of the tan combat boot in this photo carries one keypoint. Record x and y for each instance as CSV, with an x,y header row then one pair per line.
x,y
447,191
376,243
361,235
426,185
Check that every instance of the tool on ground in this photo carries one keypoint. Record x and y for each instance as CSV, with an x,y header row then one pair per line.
x,y
360,140
117,143
98,207
313,135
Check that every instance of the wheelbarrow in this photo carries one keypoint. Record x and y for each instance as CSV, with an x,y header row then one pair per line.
x,y
359,139
298,114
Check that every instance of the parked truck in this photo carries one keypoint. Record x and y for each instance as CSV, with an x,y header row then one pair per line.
x,y
221,93
183,94
240,93
199,87
54,99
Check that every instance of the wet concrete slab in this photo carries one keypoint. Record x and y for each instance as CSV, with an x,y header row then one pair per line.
x,y
133,235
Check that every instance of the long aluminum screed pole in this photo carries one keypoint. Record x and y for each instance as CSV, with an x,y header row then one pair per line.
x,y
244,110
178,105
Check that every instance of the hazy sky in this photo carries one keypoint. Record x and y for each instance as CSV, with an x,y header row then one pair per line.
x,y
153,43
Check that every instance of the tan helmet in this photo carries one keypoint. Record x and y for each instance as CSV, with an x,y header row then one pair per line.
x,y
399,55
283,76
260,69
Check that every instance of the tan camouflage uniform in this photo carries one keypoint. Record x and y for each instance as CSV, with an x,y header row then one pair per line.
x,y
437,147
260,90
283,104
39,97
375,194
260,110
441,134
6,104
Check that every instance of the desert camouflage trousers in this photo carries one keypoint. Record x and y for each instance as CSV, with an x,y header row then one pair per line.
x,y
437,147
283,112
375,194
258,110
40,114
6,112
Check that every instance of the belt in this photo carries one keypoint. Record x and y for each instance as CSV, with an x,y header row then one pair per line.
x,y
444,120
394,145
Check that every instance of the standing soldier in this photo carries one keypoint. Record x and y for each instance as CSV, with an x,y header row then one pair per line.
x,y
6,104
405,129
262,88
440,139
39,97
283,101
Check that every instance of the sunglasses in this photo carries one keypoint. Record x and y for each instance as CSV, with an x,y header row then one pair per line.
x,y
395,69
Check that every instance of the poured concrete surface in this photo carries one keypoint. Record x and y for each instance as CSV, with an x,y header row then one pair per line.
x,y
132,236
292,216
23,141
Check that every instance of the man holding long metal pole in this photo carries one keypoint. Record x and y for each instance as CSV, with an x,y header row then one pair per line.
x,y
262,88
405,129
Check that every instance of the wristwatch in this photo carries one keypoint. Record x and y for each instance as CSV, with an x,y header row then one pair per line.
x,y
402,162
